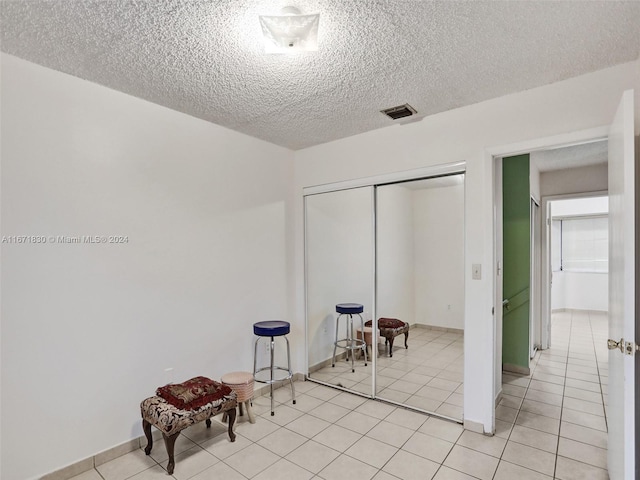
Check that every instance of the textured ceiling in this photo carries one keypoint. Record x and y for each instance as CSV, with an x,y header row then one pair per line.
x,y
593,153
205,58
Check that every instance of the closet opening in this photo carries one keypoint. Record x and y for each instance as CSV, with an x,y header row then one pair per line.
x,y
394,249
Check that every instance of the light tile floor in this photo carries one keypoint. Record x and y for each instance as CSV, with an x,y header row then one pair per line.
x,y
551,424
428,375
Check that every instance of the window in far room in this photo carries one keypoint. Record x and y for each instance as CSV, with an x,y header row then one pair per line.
x,y
585,244
580,235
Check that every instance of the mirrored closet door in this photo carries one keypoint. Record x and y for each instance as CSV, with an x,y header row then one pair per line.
x,y
385,288
339,239
420,294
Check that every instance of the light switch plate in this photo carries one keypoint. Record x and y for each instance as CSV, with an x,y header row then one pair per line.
x,y
476,271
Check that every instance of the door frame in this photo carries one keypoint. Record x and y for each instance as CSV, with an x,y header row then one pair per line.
x,y
535,281
492,158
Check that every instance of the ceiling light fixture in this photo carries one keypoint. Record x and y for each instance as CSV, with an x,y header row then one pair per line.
x,y
290,32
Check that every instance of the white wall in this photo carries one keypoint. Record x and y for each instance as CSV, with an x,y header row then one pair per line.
x,y
395,253
592,178
88,330
469,134
439,256
580,291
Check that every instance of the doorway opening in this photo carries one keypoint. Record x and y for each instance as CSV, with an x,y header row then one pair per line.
x,y
561,225
577,257
622,178
526,185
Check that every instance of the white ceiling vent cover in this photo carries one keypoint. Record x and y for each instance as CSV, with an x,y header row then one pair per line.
x,y
400,111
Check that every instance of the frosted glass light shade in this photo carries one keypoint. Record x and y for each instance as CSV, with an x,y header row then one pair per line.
x,y
290,32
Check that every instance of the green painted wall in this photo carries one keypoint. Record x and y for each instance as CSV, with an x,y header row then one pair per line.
x,y
516,198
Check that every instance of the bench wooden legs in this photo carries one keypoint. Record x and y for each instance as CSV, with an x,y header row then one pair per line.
x,y
146,426
170,441
231,414
389,341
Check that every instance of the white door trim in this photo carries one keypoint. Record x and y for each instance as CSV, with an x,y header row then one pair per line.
x,y
490,155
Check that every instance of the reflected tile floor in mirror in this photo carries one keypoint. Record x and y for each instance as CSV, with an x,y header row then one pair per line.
x,y
428,375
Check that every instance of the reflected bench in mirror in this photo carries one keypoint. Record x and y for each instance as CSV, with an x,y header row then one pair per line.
x,y
390,328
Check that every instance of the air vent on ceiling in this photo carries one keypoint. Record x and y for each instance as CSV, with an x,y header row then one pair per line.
x,y
400,111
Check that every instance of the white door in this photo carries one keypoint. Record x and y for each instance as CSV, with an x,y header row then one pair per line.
x,y
621,415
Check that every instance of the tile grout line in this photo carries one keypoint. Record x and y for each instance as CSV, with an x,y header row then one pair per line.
x,y
592,342
566,362
500,459
564,390
362,435
527,389
595,352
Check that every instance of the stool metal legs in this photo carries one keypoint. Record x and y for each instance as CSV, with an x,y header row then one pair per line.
x,y
350,343
293,390
272,368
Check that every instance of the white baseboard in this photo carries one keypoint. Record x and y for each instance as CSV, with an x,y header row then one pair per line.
x,y
560,310
98,459
436,328
510,368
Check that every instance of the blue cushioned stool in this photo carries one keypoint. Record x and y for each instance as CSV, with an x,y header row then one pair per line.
x,y
271,329
349,343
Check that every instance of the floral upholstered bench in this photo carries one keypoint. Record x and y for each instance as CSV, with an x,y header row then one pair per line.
x,y
178,406
390,328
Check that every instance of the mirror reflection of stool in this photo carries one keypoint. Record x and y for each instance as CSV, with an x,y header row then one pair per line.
x,y
350,342
271,329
